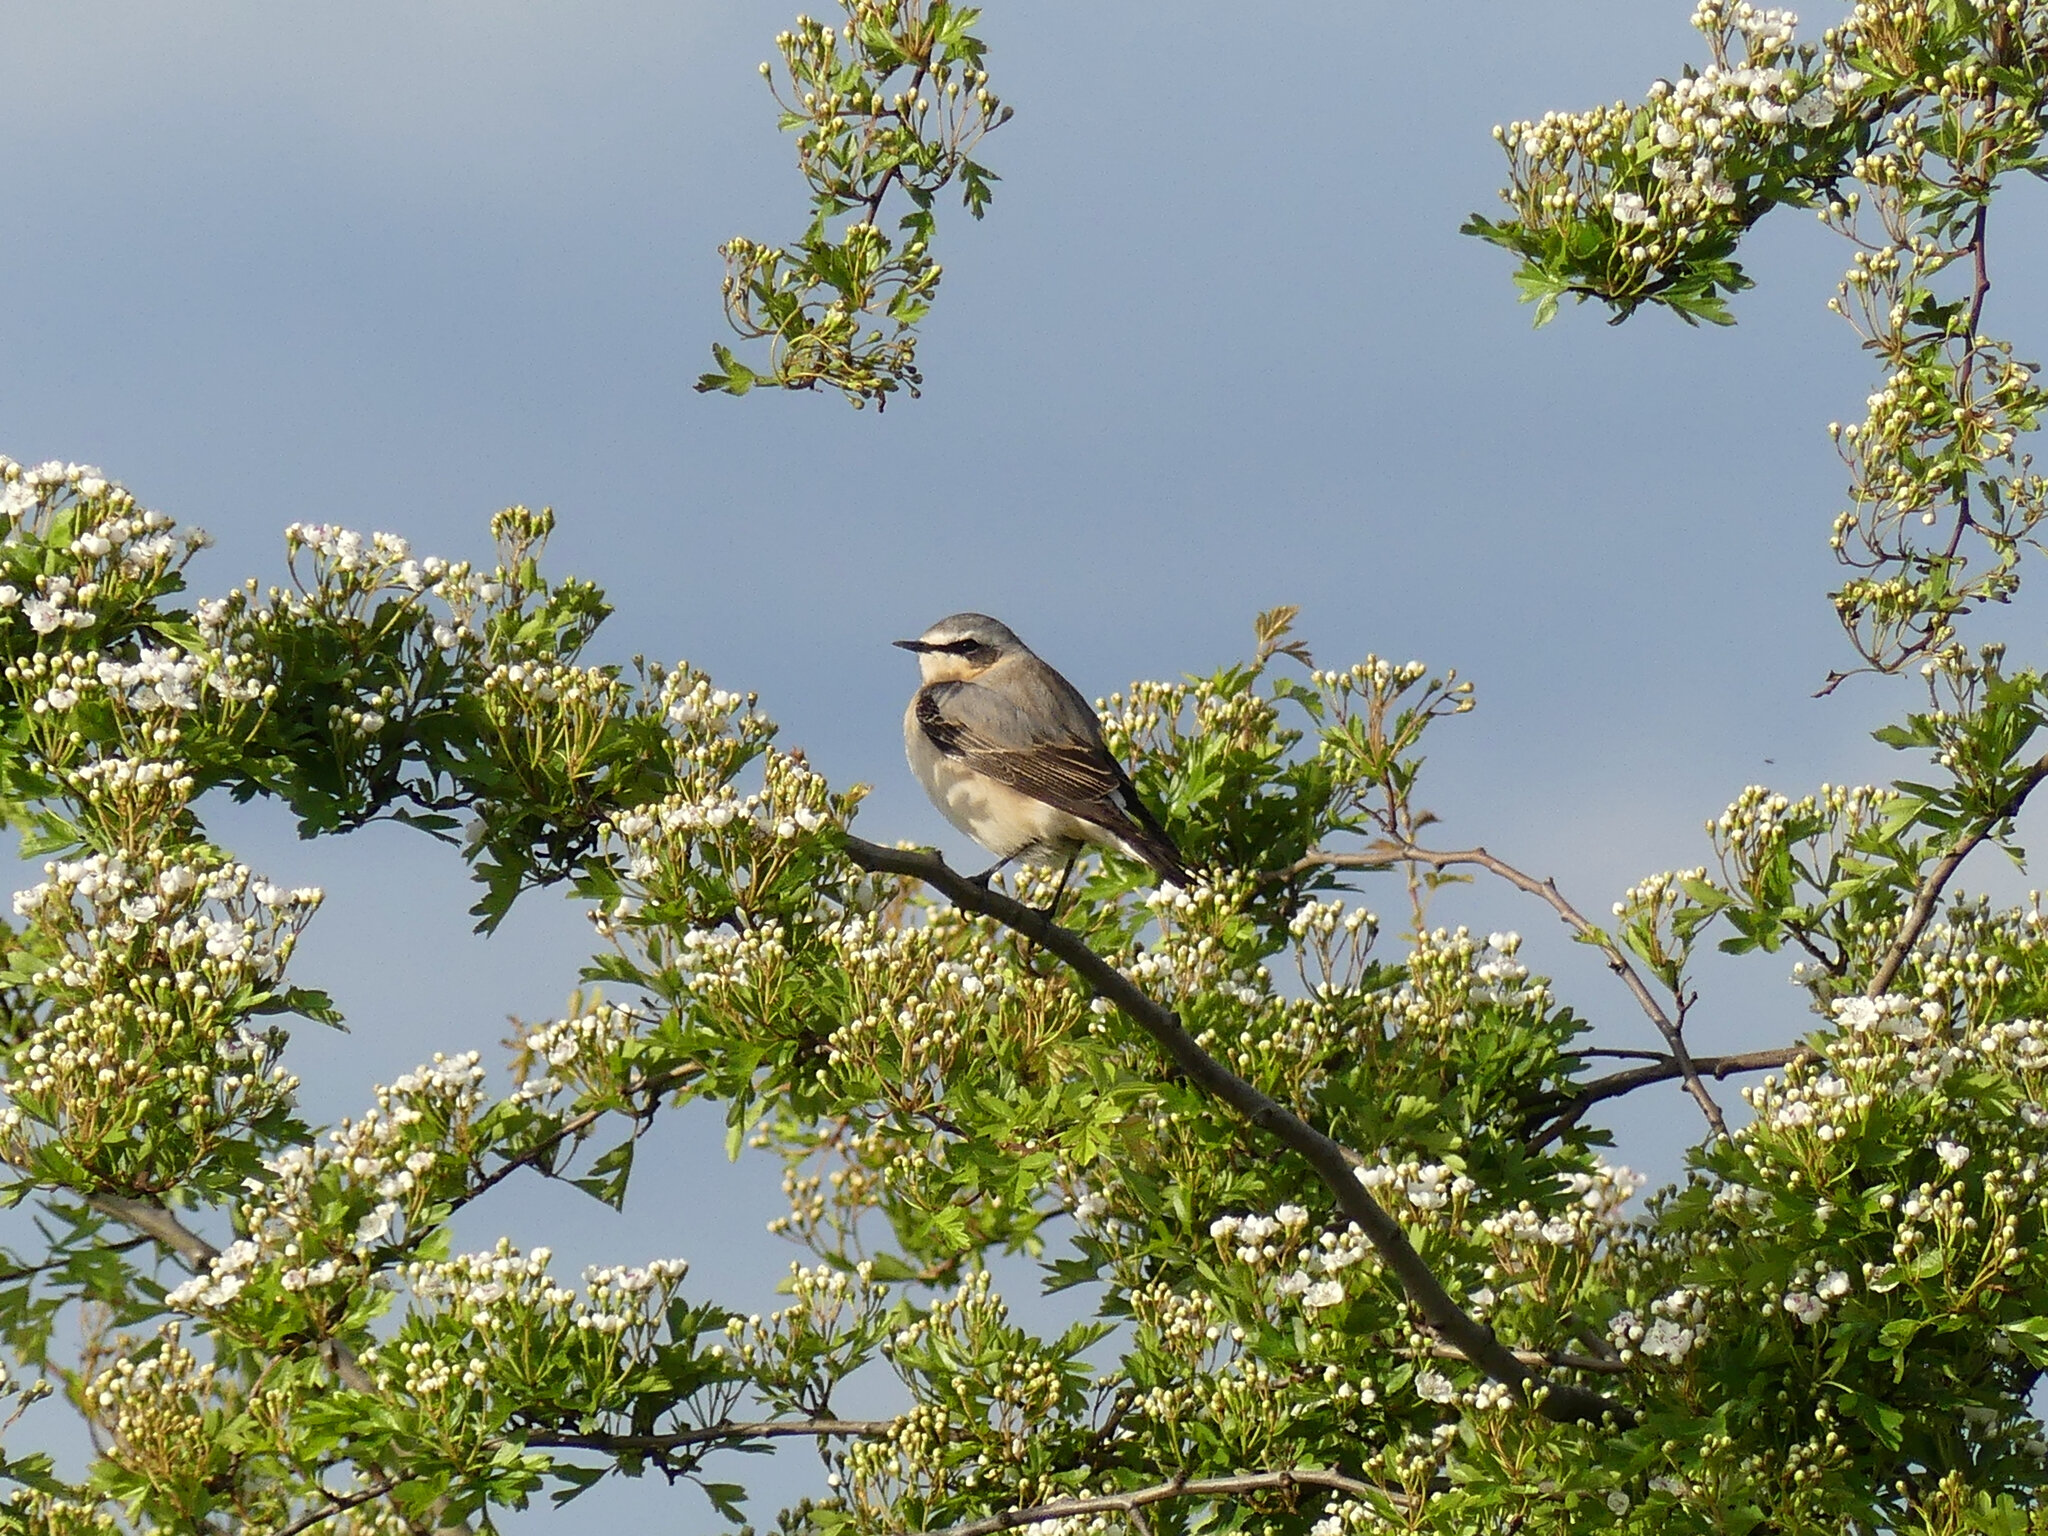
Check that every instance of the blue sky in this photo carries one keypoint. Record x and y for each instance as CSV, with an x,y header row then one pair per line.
x,y
1217,346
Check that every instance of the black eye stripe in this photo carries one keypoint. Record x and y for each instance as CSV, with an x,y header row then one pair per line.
x,y
960,647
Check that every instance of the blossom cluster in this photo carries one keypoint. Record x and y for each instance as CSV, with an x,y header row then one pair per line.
x,y
1677,1323
344,562
1591,1209
1187,956
1309,1266
661,834
1673,171
917,998
157,1408
151,958
317,1224
978,1432
1337,937
796,1355
497,1326
1946,1223
1453,974
707,825
110,546
371,588
581,1050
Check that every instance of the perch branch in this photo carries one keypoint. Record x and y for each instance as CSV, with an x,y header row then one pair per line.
x,y
1562,1401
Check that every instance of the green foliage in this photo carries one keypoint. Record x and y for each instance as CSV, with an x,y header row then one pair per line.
x,y
888,108
1901,124
1834,1324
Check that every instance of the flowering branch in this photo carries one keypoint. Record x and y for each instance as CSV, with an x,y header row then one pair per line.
x,y
1386,852
158,1224
1180,1488
1922,910
1336,1166
894,101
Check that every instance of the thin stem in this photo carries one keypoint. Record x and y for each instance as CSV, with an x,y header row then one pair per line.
x,y
338,1506
30,1271
1179,1488
1561,1401
1388,852
1605,1365
656,1085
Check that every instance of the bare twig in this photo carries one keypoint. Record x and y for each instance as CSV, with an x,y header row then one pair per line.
x,y
1387,852
340,1505
656,1085
1922,909
1179,1488
1590,1336
715,1434
30,1271
1562,1401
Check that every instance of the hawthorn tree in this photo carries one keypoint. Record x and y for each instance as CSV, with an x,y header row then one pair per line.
x,y
1327,1195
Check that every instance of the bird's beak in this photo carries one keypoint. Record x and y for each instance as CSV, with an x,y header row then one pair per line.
x,y
911,645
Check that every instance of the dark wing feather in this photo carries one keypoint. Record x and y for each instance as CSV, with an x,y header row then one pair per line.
x,y
1077,776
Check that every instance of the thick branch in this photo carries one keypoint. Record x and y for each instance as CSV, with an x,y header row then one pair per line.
x,y
1179,1488
154,1222
1922,909
1385,853
1660,1070
1473,1339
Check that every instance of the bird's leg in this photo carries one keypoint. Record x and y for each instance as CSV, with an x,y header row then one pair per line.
x,y
990,873
1052,913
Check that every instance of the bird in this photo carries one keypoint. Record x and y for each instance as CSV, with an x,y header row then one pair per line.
x,y
1013,755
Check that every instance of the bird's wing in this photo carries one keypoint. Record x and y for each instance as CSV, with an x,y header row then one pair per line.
x,y
995,737
1070,769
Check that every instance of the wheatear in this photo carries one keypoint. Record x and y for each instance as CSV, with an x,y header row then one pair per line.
x,y
1013,756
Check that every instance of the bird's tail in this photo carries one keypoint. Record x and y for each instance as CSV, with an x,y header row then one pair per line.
x,y
1149,843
